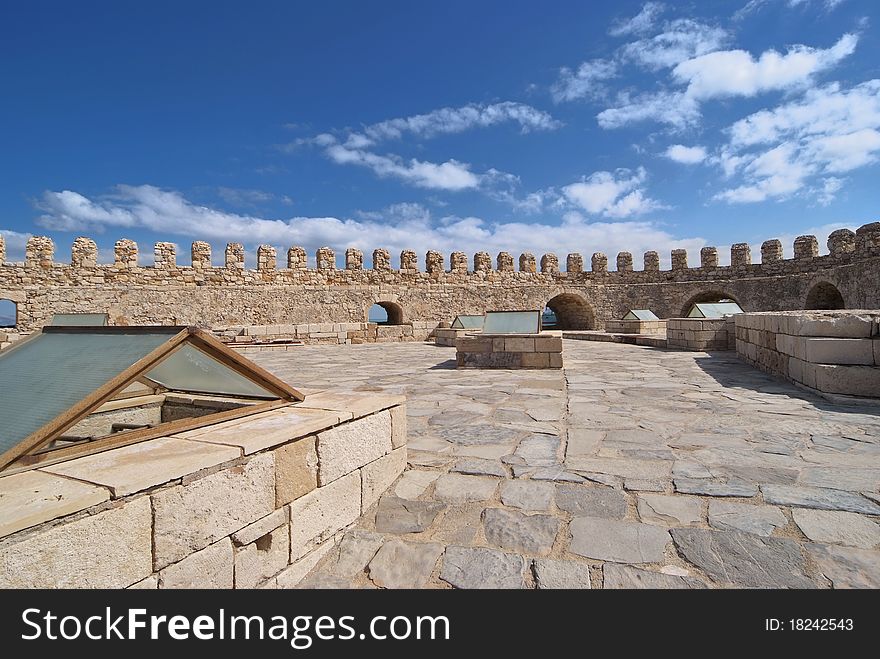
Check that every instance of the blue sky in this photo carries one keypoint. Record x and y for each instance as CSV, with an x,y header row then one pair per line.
x,y
522,126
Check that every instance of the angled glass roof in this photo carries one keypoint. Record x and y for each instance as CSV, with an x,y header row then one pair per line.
x,y
467,321
714,309
55,378
640,314
512,322
78,319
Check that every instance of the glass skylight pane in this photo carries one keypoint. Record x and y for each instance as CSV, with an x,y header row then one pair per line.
x,y
79,319
50,373
512,322
190,369
466,321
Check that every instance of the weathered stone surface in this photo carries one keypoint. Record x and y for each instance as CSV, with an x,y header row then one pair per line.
x,y
293,574
137,467
396,515
626,468
476,567
263,558
670,510
211,567
839,528
744,559
261,527
820,498
322,512
356,549
350,446
65,556
414,482
296,470
404,564
479,467
710,488
455,488
621,542
539,450
527,495
32,497
552,474
190,517
590,501
533,534
150,583
554,574
379,475
847,567
477,434
398,426
732,516
626,576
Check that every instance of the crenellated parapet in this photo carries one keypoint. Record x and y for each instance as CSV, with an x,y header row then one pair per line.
x,y
381,260
550,264
740,255
266,258
842,241
296,258
125,253
771,251
2,250
325,259
527,263
599,262
624,262
234,256
165,256
806,247
201,255
434,263
868,237
651,262
39,252
354,259
458,263
482,262
84,253
504,262
708,258
679,260
574,263
409,261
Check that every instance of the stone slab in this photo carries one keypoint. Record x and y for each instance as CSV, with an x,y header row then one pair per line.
x,y
836,527
733,516
479,467
261,527
395,515
379,475
561,575
591,501
262,559
820,498
350,446
211,567
617,576
414,482
457,488
401,564
847,567
733,487
508,529
620,542
319,514
351,405
527,495
296,469
477,567
670,510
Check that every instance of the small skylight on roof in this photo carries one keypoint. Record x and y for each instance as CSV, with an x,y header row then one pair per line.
x,y
467,321
714,309
65,386
640,314
512,322
80,319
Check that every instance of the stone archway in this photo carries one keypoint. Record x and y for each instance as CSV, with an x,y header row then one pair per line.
x,y
8,313
393,312
707,296
572,312
824,295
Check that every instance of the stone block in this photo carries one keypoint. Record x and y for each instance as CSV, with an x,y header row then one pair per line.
x,y
548,344
350,446
150,583
398,426
849,380
519,344
253,532
322,512
192,516
140,466
263,558
211,567
290,576
555,359
845,326
474,344
838,351
378,476
32,497
535,360
111,549
296,470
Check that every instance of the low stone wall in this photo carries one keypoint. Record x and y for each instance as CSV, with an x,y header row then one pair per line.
x,y
8,337
701,334
542,350
834,352
636,326
254,502
446,336
333,333
652,340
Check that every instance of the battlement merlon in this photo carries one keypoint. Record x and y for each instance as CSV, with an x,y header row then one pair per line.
x,y
842,243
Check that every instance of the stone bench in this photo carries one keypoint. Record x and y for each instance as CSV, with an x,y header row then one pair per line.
x,y
542,350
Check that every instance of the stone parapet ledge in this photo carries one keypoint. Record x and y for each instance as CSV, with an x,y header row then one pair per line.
x,y
636,326
542,350
830,352
253,502
701,334
447,336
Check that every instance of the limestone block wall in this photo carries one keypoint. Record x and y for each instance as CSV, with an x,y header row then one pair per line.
x,y
542,350
830,352
332,333
201,293
447,336
249,503
701,334
636,326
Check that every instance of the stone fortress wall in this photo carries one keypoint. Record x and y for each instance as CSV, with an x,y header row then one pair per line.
x,y
200,293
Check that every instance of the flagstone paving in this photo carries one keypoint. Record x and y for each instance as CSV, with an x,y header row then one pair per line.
x,y
632,467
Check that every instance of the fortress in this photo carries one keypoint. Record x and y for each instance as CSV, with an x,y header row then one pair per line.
x,y
221,296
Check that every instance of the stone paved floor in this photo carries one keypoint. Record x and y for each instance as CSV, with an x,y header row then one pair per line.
x,y
633,467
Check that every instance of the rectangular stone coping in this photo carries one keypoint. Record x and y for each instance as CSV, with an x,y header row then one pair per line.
x,y
843,323
546,334
354,404
33,497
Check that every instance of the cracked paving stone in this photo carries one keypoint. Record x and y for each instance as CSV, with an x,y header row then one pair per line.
x,y
477,567
670,510
478,434
539,450
457,488
555,574
527,495
837,528
480,467
591,501
847,567
820,498
508,529
323,581
413,483
401,564
732,488
733,516
395,515
744,559
617,576
621,542
356,550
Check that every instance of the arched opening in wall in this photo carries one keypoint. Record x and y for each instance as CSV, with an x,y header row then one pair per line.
x,y
385,313
8,313
707,297
568,312
824,295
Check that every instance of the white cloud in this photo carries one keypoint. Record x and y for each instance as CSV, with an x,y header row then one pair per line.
x,y
403,226
612,194
828,131
640,23
15,242
586,82
680,40
687,155
244,196
830,187
675,109
737,73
